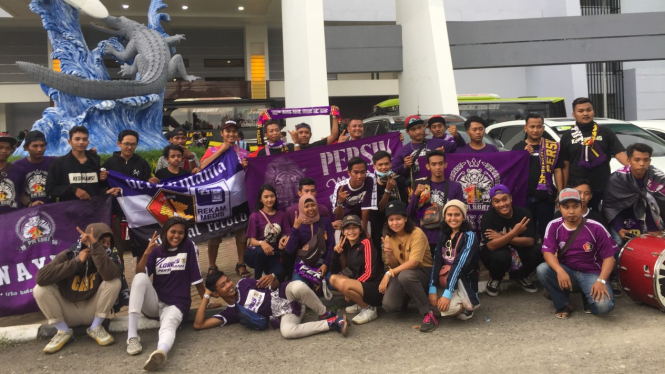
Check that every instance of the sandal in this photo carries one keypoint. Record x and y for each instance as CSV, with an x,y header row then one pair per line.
x,y
212,269
564,313
244,273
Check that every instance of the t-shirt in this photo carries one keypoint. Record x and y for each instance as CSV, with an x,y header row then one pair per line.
x,y
10,189
162,174
437,196
494,221
571,150
240,152
259,229
413,247
163,163
398,193
35,178
534,171
173,274
488,148
410,149
291,212
362,198
258,300
586,254
318,143
276,151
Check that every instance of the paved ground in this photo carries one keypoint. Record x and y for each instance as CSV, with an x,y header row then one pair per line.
x,y
521,336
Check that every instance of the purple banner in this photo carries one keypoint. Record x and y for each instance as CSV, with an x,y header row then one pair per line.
x,y
479,172
326,165
32,237
298,112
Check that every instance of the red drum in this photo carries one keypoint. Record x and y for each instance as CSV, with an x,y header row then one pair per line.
x,y
642,270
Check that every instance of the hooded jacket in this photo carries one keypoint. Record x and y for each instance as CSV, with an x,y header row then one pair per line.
x,y
67,174
79,281
363,261
135,167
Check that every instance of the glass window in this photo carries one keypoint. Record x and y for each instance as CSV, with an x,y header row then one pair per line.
x,y
629,134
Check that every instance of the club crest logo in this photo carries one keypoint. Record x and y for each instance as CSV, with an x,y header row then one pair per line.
x,y
35,185
8,193
588,247
167,204
477,179
35,227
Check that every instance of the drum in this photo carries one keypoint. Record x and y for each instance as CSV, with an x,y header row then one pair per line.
x,y
642,270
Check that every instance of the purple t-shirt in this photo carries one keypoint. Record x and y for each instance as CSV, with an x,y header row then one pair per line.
x,y
10,189
259,229
410,149
258,300
35,178
363,198
592,245
489,148
291,212
438,196
173,274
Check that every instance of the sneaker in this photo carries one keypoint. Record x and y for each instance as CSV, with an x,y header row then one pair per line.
x,y
465,315
353,309
328,315
134,346
616,287
527,285
100,335
59,341
492,288
585,305
366,315
340,325
429,323
156,359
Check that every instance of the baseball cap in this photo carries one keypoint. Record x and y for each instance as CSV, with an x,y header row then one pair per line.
x,y
179,131
4,137
303,125
34,136
351,220
569,194
498,190
230,123
396,207
412,121
436,118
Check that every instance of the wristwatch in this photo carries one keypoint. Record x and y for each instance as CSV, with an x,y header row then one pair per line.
x,y
206,296
601,280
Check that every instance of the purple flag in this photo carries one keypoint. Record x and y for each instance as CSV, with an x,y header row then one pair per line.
x,y
32,237
326,165
479,172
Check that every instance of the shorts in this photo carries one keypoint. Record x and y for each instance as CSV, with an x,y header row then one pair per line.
x,y
371,294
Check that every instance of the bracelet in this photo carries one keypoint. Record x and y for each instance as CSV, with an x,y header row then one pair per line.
x,y
389,274
392,273
206,296
601,280
260,241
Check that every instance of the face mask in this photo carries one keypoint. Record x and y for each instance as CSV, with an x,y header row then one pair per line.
x,y
383,175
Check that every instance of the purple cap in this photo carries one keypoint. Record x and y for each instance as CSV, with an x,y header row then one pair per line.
x,y
498,190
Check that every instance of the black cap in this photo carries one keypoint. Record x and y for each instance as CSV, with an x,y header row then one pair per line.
x,y
230,123
34,136
351,220
179,131
396,207
4,137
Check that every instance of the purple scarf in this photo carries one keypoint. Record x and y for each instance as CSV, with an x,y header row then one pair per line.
x,y
278,145
549,154
592,155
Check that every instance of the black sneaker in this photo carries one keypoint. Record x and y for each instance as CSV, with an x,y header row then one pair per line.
x,y
527,285
616,287
465,315
429,323
585,304
492,288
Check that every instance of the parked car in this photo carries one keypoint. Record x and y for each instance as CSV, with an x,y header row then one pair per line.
x,y
512,132
656,126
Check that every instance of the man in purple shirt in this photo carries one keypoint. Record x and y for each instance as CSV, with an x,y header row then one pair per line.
x,y
585,266
433,190
36,167
437,127
11,176
475,128
357,194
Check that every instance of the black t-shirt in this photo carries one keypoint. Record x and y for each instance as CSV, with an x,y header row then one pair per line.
x,y
590,214
166,174
401,194
318,143
493,221
572,151
276,151
534,171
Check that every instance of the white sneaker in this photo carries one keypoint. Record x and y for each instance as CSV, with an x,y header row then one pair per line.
x,y
134,346
100,335
58,341
156,359
365,316
353,309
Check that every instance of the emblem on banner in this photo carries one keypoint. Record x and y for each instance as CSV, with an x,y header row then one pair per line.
x,y
285,174
477,179
35,227
167,204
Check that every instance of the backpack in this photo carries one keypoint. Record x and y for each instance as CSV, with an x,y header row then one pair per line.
x,y
433,216
251,319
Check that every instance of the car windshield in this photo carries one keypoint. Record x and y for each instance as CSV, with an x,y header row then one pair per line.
x,y
465,136
629,134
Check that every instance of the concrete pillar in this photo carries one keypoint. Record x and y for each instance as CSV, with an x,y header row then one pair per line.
x,y
305,71
4,114
256,59
426,84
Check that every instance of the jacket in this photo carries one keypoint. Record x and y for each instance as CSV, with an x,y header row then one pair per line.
x,y
464,267
76,280
362,260
135,167
67,174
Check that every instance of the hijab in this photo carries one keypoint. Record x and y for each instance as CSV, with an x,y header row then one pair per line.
x,y
301,210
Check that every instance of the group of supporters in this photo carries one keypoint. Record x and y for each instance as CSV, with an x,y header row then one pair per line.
x,y
393,236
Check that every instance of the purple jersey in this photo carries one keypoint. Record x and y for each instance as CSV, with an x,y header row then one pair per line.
x,y
10,188
291,212
587,252
259,229
258,300
488,148
362,198
174,271
437,196
34,185
410,149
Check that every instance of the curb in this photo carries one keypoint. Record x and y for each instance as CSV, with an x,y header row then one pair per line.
x,y
18,334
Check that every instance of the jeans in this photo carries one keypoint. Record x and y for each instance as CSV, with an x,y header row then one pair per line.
x,y
499,260
582,282
542,212
264,264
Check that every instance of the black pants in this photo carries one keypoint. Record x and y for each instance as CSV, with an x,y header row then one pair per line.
x,y
542,212
596,200
498,261
376,223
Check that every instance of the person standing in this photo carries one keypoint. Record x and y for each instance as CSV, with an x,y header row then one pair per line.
x,y
355,129
12,177
437,127
587,149
475,128
174,154
275,144
36,167
303,133
545,168
357,194
190,161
